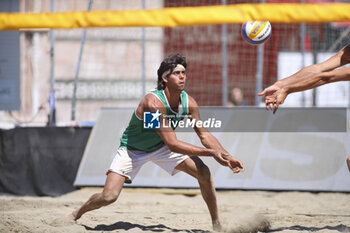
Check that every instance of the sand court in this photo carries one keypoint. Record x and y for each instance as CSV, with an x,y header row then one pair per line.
x,y
177,210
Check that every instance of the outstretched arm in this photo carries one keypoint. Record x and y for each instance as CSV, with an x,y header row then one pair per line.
x,y
307,78
210,141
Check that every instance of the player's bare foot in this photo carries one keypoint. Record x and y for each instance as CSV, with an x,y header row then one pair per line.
x,y
72,216
217,226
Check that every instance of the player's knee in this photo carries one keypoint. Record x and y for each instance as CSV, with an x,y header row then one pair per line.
x,y
203,172
109,197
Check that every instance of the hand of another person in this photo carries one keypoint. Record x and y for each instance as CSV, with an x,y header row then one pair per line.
x,y
274,96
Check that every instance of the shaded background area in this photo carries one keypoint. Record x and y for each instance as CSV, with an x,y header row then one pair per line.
x,y
40,161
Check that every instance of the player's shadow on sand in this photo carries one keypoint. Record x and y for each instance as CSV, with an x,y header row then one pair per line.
x,y
127,226
340,228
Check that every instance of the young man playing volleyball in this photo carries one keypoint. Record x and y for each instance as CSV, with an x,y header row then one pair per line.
x,y
161,146
309,77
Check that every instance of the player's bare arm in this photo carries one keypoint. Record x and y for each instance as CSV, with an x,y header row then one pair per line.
x,y
310,75
319,74
210,141
308,78
152,103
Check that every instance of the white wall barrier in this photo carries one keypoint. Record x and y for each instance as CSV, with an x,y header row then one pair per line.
x,y
295,149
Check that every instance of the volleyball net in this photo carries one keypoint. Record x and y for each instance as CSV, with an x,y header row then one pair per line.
x,y
127,40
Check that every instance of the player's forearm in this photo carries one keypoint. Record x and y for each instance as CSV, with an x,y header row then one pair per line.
x,y
189,149
318,79
305,79
305,84
211,142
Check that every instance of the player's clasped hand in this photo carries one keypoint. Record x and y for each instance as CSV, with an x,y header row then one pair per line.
x,y
227,160
236,165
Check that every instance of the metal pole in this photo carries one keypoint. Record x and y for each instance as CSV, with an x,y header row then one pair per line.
x,y
349,94
52,115
224,61
259,73
302,50
259,70
143,68
74,98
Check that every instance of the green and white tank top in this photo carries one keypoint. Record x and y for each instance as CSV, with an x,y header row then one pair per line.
x,y
135,137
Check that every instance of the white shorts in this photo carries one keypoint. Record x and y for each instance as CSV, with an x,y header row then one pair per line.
x,y
128,162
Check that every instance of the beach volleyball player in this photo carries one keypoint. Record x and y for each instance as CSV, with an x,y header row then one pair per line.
x,y
161,145
309,77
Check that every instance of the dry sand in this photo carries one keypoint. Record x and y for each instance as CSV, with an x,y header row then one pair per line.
x,y
152,210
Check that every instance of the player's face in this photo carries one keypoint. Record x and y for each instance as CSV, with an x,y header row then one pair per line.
x,y
177,78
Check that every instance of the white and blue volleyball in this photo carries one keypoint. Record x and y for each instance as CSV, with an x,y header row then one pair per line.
x,y
256,32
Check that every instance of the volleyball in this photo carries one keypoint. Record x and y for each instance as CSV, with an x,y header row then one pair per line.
x,y
256,32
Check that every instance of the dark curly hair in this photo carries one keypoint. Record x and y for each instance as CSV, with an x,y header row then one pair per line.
x,y
169,63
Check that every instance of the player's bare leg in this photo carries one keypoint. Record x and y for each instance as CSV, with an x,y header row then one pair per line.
x,y
196,168
110,193
348,162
